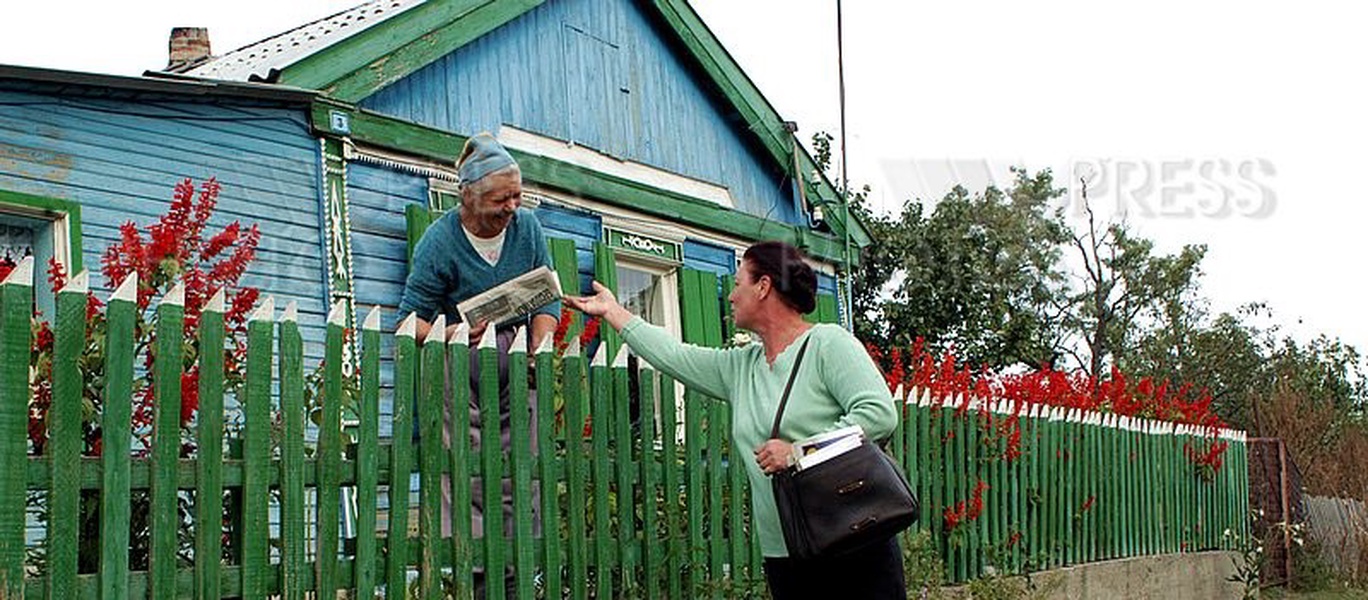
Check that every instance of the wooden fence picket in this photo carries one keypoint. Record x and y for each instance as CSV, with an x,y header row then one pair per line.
x,y
117,432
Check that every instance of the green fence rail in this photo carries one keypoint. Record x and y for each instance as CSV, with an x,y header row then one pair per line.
x,y
639,497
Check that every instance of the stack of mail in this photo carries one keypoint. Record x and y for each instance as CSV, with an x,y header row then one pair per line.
x,y
826,446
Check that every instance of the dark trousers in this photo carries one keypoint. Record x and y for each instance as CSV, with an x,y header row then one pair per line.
x,y
871,573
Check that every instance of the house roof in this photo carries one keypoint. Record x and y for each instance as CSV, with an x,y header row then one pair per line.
x,y
263,60
75,82
355,53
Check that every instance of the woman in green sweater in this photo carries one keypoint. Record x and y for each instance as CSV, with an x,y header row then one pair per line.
x,y
837,385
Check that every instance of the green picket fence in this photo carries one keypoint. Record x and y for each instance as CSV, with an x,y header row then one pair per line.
x,y
628,511
640,494
1086,486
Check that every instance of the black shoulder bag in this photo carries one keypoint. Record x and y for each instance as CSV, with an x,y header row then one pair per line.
x,y
843,504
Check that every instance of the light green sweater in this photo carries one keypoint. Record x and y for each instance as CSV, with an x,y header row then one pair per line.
x,y
838,385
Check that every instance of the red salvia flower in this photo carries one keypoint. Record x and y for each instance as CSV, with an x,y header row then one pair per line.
x,y
591,329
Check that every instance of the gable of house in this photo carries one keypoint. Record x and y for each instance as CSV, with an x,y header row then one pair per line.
x,y
597,75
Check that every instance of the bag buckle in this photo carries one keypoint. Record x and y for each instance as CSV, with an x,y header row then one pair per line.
x,y
853,486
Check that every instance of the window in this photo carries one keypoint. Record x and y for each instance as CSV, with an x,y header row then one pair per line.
x,y
46,229
649,291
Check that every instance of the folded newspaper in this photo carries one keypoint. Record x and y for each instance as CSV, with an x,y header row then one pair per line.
x,y
513,299
822,447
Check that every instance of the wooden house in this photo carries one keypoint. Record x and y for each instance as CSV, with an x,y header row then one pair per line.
x,y
645,150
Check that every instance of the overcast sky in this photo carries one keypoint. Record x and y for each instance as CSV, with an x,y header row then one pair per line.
x,y
1241,125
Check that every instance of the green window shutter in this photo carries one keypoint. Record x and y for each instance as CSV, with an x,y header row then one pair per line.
x,y
417,219
565,262
567,270
825,311
605,272
728,319
700,311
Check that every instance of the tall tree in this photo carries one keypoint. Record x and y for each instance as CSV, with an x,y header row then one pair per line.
x,y
1126,288
980,273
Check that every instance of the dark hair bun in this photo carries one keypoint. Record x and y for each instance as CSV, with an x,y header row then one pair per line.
x,y
786,266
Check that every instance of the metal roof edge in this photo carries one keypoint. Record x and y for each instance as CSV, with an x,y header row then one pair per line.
x,y
159,82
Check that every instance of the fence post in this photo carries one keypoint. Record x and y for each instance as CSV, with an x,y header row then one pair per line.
x,y
166,443
367,459
431,377
676,559
64,439
291,365
600,397
625,469
462,544
491,474
650,541
330,453
547,477
256,442
401,465
524,560
1285,497
16,308
572,365
116,432
209,451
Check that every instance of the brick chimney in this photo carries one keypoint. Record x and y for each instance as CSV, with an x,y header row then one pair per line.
x,y
189,46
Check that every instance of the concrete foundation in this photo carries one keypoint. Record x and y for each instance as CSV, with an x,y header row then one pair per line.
x,y
1198,576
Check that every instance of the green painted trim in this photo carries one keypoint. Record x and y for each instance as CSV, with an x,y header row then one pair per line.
x,y
54,207
438,24
427,48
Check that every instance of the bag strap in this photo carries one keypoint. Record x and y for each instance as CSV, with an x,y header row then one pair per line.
x,y
797,362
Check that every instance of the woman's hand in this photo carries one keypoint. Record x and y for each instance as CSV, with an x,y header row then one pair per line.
x,y
602,304
774,456
597,305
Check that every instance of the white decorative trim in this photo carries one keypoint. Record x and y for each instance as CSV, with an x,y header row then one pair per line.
x,y
128,291
79,284
375,156
22,274
337,315
574,154
176,297
291,313
265,312
408,327
620,361
488,340
461,336
642,243
437,332
546,345
216,304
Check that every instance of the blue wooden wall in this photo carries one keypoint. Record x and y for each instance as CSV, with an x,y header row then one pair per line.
x,y
120,159
709,257
601,74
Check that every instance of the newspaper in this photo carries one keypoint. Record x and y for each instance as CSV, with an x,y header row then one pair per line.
x,y
513,299
820,448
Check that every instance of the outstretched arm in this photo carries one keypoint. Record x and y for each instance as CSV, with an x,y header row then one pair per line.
x,y
704,369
